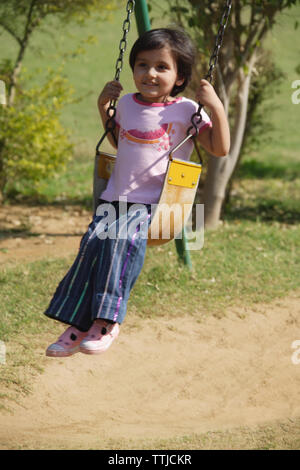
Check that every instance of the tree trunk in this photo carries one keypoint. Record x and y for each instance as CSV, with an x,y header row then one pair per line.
x,y
23,43
2,173
15,75
220,169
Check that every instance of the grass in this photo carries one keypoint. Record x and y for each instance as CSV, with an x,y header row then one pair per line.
x,y
283,145
21,323
252,258
243,260
237,262
273,436
243,263
266,200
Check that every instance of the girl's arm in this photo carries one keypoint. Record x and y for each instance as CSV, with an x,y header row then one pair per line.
x,y
216,139
111,91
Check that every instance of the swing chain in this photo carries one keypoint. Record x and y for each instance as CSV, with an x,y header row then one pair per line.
x,y
197,117
111,110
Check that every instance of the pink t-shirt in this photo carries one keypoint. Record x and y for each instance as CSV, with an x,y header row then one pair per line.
x,y
147,134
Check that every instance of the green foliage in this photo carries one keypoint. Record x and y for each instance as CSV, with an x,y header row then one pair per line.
x,y
33,143
264,87
18,13
246,32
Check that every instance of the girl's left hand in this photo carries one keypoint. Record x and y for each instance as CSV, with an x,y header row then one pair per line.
x,y
207,96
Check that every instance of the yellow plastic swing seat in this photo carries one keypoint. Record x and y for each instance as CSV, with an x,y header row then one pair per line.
x,y
176,199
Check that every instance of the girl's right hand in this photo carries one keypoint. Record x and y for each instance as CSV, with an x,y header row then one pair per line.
x,y
111,91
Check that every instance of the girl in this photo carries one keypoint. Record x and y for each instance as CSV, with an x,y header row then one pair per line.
x,y
93,295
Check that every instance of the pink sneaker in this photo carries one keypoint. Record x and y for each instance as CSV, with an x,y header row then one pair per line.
x,y
100,337
67,344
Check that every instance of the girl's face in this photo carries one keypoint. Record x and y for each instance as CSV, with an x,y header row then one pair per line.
x,y
155,74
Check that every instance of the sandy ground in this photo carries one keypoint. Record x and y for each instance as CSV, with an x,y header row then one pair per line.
x,y
160,379
38,232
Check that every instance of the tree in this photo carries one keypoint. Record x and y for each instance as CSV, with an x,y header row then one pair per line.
x,y
33,144
249,24
20,18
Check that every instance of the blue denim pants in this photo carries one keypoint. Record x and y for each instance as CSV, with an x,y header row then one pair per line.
x,y
109,261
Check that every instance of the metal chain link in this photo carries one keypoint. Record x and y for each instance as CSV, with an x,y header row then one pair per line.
x,y
197,117
111,110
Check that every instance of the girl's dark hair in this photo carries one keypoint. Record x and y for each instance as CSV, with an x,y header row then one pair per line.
x,y
181,47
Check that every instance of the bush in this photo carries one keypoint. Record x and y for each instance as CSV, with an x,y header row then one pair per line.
x,y
33,143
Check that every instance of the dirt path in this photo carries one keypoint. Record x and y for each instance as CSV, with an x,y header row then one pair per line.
x,y
30,233
166,379
163,379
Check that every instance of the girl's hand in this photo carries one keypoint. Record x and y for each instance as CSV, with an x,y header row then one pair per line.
x,y
215,139
111,91
207,96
